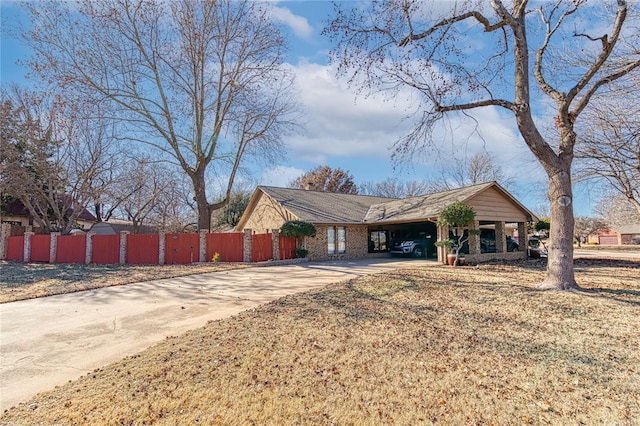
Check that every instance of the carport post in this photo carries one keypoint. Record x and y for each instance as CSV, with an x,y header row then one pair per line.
x,y
523,238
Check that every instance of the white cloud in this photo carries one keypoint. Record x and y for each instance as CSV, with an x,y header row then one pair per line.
x,y
280,175
298,24
339,125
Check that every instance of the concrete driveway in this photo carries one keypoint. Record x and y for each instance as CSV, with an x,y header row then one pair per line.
x,y
49,341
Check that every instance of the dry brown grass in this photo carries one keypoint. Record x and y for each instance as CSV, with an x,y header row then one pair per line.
x,y
20,281
463,346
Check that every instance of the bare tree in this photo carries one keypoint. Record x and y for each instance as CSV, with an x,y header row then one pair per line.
x,y
203,82
586,226
326,179
394,188
609,146
51,157
482,167
617,211
425,47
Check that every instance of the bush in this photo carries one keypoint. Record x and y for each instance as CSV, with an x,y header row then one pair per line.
x,y
297,229
301,253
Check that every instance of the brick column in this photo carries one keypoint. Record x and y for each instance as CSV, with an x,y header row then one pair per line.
x,y
501,242
247,246
203,245
523,238
5,233
26,254
443,234
123,247
53,247
89,250
162,247
474,240
275,235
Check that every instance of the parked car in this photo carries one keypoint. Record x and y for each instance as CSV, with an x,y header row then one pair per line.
x,y
537,249
414,245
488,242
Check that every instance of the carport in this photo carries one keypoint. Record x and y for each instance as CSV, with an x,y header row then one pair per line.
x,y
498,214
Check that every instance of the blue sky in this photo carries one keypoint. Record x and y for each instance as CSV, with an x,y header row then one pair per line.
x,y
349,132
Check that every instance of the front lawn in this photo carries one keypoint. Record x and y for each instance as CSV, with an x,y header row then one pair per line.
x,y
453,346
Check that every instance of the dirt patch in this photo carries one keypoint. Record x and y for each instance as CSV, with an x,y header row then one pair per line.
x,y
20,281
475,345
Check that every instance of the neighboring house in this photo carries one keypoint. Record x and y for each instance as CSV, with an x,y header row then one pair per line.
x,y
15,213
626,234
354,226
115,226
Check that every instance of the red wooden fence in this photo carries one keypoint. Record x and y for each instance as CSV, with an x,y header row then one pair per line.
x,y
40,248
143,249
15,248
71,249
182,248
261,247
105,249
287,248
228,245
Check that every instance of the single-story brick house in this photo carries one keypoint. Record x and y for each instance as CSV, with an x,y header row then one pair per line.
x,y
354,226
622,235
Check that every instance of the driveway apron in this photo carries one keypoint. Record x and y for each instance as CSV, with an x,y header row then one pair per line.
x,y
48,341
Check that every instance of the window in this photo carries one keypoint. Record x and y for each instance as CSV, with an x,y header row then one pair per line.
x,y
336,240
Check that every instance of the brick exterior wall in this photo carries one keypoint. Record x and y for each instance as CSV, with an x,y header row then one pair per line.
x,y
267,215
356,244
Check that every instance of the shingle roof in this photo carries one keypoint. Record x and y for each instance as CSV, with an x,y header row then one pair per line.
x,y
628,229
323,207
328,207
422,207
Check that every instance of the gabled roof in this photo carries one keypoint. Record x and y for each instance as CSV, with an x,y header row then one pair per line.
x,y
323,207
429,206
334,208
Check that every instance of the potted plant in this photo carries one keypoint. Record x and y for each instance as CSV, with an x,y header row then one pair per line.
x,y
457,217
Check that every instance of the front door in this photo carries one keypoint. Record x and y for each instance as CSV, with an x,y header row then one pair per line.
x,y
378,241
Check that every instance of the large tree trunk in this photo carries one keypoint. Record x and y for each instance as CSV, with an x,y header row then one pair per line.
x,y
560,274
204,208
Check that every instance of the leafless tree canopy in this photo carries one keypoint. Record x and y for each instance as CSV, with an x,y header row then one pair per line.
x,y
395,188
609,143
202,82
326,179
456,57
55,163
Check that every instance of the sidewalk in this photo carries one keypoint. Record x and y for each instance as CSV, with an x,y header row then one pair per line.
x,y
49,341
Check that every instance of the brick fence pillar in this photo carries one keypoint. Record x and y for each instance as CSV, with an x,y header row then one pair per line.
x,y
203,245
123,247
162,247
275,235
5,233
53,247
26,254
89,249
247,243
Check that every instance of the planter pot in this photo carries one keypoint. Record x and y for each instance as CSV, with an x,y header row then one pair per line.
x,y
451,258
